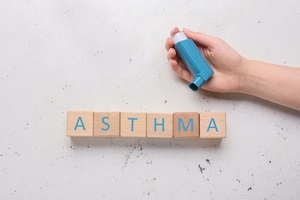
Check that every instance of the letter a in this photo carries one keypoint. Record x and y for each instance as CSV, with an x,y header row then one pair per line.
x,y
212,121
79,123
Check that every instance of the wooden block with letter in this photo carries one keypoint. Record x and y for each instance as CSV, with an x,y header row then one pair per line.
x,y
80,124
107,124
133,124
159,125
213,125
186,125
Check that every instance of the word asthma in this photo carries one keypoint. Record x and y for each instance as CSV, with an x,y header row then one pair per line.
x,y
151,125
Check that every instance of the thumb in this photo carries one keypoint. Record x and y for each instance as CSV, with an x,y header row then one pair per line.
x,y
200,38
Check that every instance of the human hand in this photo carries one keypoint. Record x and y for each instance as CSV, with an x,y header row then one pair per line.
x,y
225,61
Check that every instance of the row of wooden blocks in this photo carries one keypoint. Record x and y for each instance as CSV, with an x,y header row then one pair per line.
x,y
151,125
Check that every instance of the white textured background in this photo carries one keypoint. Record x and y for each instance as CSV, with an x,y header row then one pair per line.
x,y
99,55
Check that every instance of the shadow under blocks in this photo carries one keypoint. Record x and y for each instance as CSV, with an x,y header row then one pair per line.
x,y
151,125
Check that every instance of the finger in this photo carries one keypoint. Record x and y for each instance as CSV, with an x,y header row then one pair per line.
x,y
169,44
180,63
200,38
174,31
171,54
181,72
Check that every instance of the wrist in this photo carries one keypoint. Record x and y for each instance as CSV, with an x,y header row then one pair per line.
x,y
244,75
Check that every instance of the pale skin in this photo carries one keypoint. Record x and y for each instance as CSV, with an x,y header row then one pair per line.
x,y
234,73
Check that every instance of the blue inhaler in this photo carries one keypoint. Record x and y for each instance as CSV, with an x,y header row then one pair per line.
x,y
193,59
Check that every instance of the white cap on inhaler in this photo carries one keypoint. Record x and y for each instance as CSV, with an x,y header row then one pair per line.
x,y
178,37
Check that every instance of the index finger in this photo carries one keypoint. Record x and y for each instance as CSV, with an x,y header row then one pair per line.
x,y
174,31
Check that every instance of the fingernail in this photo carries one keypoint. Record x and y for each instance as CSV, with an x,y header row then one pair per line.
x,y
173,31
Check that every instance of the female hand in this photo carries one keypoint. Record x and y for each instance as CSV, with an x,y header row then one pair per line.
x,y
225,61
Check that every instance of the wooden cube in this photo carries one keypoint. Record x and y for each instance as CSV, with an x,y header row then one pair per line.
x,y
186,125
212,125
107,124
133,124
80,124
159,125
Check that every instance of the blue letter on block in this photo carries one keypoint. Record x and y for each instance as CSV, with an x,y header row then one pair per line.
x,y
132,123
212,121
162,124
107,124
185,128
79,123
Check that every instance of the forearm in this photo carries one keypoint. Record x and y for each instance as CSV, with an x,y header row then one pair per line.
x,y
276,83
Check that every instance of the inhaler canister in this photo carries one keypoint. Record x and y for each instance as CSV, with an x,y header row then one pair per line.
x,y
193,59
